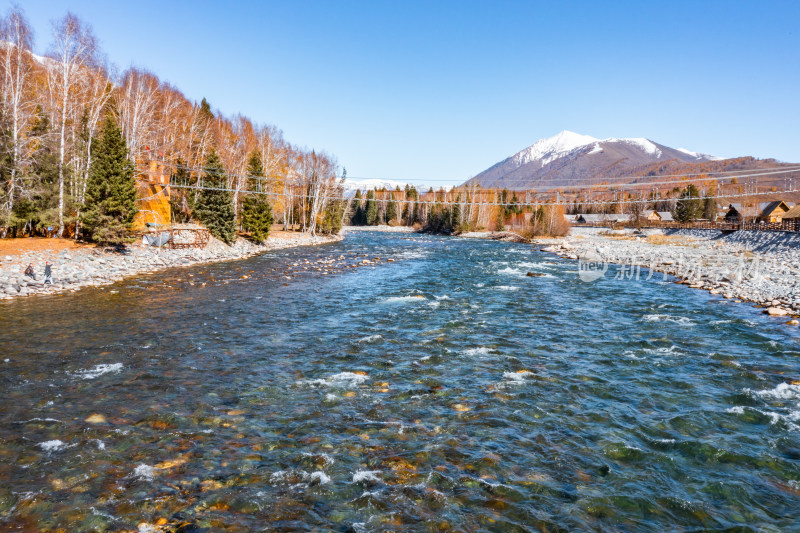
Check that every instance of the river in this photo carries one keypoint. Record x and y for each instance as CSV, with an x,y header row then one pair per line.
x,y
445,390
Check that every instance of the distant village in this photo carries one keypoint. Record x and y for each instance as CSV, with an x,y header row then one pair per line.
x,y
772,213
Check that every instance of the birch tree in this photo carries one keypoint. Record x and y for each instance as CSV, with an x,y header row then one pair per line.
x,y
136,104
73,49
17,103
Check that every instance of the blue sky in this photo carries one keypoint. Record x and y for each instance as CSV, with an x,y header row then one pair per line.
x,y
439,91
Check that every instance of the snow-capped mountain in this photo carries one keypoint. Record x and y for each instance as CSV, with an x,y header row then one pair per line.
x,y
351,185
569,156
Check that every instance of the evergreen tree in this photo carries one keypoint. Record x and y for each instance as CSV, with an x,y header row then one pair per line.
x,y
256,211
181,201
357,215
710,209
38,209
391,209
215,207
371,209
690,206
455,214
331,222
110,205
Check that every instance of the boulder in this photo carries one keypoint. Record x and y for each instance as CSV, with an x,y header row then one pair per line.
x,y
776,311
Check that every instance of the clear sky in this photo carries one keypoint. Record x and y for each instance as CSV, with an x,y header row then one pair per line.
x,y
442,90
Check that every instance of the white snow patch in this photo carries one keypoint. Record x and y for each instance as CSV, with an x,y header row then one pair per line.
x,y
643,144
596,149
698,155
552,148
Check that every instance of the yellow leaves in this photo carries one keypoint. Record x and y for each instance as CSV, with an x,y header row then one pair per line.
x,y
402,469
210,484
172,463
219,506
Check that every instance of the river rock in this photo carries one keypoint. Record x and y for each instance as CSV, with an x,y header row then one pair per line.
x,y
776,311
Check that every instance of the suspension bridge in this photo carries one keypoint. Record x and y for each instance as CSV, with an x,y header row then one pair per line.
x,y
618,191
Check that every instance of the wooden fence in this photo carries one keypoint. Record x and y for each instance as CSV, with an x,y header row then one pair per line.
x,y
182,237
786,225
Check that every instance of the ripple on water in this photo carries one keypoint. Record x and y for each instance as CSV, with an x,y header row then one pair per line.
x,y
404,299
99,370
340,380
682,320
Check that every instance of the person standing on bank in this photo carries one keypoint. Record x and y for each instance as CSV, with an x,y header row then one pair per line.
x,y
48,273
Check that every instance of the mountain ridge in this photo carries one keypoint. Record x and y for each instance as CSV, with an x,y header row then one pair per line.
x,y
568,156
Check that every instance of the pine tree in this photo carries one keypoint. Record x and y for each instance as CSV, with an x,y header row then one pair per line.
x,y
357,215
256,211
391,209
690,206
40,210
710,209
455,215
371,209
181,201
110,205
215,207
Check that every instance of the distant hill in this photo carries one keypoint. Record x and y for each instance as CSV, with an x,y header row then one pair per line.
x,y
570,158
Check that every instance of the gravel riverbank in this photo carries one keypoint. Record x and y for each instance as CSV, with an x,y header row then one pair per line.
x,y
91,266
759,267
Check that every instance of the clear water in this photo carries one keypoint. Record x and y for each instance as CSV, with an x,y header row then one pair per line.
x,y
443,391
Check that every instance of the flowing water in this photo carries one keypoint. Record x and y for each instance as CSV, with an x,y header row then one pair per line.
x,y
446,390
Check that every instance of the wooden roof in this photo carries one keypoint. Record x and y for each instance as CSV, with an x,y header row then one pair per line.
x,y
792,213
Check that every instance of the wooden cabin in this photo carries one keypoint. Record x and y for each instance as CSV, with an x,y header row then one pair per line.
x,y
659,216
772,212
734,213
792,214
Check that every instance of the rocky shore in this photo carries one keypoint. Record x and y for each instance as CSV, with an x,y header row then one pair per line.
x,y
92,266
758,267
